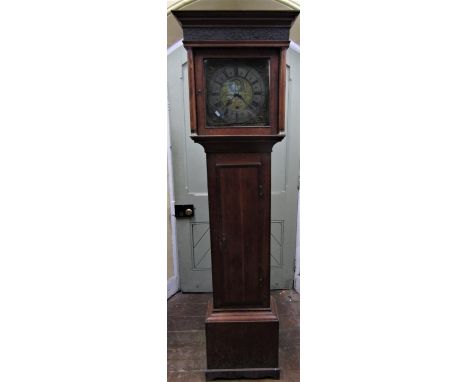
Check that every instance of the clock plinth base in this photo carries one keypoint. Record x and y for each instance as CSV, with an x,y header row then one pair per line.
x,y
242,343
242,373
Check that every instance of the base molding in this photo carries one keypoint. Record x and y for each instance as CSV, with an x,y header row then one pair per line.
x,y
297,283
253,373
242,343
172,286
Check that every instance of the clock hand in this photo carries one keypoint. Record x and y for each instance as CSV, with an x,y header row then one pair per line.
x,y
239,96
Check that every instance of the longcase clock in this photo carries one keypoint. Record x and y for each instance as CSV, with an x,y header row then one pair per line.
x,y
237,66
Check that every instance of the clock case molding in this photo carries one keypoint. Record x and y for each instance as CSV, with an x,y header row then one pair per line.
x,y
242,324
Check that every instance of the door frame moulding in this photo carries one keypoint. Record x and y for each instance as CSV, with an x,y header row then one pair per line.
x,y
174,46
295,47
297,273
173,284
297,270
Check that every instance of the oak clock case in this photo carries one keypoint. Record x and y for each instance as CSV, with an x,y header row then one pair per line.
x,y
236,66
236,91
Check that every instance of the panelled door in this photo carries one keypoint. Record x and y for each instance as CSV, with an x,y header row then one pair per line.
x,y
241,208
190,184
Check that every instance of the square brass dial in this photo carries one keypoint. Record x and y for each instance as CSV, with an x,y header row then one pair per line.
x,y
237,92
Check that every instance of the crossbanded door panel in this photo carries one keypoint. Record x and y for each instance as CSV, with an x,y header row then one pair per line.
x,y
190,183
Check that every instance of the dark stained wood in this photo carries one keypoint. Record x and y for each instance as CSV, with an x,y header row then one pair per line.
x,y
256,374
235,33
235,19
242,324
237,44
269,53
239,183
240,205
243,373
237,144
212,28
192,96
242,315
242,340
282,91
242,327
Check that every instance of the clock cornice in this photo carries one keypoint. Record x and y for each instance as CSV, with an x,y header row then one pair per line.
x,y
223,28
270,19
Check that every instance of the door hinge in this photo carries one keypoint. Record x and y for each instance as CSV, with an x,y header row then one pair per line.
x,y
260,190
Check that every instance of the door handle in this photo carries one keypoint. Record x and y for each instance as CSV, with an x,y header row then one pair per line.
x,y
184,210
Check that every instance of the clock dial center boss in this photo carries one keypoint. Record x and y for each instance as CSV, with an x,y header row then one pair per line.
x,y
237,92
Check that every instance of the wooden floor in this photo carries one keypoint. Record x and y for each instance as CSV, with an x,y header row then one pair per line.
x,y
186,354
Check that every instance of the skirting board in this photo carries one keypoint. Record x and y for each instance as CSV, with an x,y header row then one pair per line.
x,y
297,283
172,286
